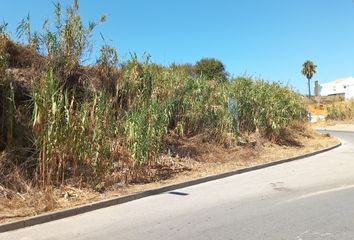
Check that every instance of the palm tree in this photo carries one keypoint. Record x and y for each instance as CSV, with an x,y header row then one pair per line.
x,y
309,69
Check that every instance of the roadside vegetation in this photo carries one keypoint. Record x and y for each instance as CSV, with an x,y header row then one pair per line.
x,y
341,111
66,123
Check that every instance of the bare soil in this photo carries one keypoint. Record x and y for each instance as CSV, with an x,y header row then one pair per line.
x,y
195,158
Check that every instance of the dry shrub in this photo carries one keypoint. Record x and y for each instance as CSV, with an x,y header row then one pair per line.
x,y
31,203
294,133
20,56
12,176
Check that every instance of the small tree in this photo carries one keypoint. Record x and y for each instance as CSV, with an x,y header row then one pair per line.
x,y
308,70
212,69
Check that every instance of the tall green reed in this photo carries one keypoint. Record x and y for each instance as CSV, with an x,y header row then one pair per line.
x,y
72,138
266,107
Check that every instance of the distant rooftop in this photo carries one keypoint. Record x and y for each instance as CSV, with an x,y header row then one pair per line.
x,y
342,81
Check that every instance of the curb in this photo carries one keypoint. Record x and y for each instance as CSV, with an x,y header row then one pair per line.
x,y
56,215
334,130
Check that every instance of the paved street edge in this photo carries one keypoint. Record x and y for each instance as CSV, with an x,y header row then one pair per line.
x,y
52,216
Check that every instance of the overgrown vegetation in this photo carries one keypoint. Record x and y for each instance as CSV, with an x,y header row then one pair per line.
x,y
266,107
341,111
89,122
72,138
7,101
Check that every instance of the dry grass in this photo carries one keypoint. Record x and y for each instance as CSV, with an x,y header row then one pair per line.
x,y
318,109
192,158
338,113
20,56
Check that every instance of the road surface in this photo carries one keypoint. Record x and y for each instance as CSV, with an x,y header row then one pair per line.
x,y
311,198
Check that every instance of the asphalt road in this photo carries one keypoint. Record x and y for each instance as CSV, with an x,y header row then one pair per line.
x,y
311,198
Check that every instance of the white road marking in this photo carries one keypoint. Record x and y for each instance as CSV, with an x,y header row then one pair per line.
x,y
345,187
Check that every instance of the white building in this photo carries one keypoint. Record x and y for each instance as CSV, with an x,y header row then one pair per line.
x,y
343,86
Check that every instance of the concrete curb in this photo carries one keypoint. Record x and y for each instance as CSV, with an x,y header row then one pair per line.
x,y
334,130
52,216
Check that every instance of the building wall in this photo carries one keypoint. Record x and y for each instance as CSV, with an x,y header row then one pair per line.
x,y
349,95
344,86
331,89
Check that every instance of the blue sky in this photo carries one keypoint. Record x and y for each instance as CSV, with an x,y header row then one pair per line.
x,y
269,39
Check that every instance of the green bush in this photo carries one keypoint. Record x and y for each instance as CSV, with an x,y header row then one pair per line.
x,y
211,69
